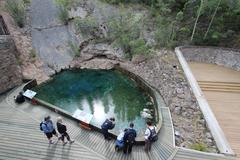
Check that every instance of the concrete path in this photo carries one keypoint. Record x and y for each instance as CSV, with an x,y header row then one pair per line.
x,y
49,37
220,86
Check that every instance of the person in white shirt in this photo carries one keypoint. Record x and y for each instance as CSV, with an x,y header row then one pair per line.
x,y
119,142
149,135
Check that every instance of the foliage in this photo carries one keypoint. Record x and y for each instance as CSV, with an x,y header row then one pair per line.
x,y
33,53
199,147
19,61
63,15
206,22
17,11
125,32
64,3
74,48
86,26
165,33
27,2
63,6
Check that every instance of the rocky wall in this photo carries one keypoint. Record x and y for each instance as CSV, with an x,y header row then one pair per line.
x,y
10,72
229,58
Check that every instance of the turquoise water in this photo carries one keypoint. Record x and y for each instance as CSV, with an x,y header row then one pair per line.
x,y
98,92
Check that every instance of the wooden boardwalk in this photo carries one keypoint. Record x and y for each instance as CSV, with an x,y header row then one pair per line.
x,y
23,140
221,87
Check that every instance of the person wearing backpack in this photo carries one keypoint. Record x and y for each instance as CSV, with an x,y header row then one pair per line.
x,y
129,139
48,128
150,136
20,98
62,129
107,124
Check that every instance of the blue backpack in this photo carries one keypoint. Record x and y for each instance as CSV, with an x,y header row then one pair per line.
x,y
41,129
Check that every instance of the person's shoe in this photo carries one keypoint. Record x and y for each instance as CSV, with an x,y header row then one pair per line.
x,y
51,142
64,143
116,148
108,138
72,141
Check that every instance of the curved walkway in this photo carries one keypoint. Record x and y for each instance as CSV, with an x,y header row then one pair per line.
x,y
221,87
22,134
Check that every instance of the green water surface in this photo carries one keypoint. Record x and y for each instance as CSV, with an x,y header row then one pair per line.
x,y
103,93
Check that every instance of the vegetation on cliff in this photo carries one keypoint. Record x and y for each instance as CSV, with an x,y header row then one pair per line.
x,y
201,22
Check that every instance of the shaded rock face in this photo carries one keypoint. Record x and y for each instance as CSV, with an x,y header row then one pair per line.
x,y
220,56
10,72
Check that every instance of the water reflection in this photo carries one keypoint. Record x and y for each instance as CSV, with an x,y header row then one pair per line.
x,y
100,93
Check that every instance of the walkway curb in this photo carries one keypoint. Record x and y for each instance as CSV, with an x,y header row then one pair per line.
x,y
212,123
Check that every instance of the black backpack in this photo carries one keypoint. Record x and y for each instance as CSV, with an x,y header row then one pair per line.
x,y
153,135
41,129
131,137
108,124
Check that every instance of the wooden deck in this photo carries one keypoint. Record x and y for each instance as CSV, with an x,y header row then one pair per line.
x,y
22,138
221,87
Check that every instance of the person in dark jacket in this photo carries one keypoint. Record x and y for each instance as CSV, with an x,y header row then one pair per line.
x,y
107,124
62,129
129,139
20,98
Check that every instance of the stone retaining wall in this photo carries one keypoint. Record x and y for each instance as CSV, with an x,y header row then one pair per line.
x,y
221,56
10,72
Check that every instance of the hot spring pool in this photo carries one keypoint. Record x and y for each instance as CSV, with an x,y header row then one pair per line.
x,y
102,93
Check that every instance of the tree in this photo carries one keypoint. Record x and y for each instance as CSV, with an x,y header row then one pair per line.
x,y
214,14
196,21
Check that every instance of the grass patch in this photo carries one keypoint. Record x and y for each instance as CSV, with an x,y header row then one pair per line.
x,y
33,53
74,48
27,2
16,8
19,61
63,7
199,147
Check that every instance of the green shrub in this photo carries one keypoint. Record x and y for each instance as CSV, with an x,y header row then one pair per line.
x,y
33,53
63,15
125,32
165,33
74,48
65,3
199,147
19,61
63,7
27,2
17,10
86,26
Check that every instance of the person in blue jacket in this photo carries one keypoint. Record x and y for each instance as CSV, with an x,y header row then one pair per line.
x,y
129,139
107,124
49,129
